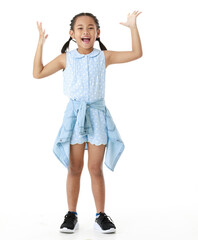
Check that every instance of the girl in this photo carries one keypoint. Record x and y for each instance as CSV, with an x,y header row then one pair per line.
x,y
87,122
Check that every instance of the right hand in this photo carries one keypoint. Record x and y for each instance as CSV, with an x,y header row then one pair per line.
x,y
42,36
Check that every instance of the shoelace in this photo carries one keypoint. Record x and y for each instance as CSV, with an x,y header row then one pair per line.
x,y
70,217
105,218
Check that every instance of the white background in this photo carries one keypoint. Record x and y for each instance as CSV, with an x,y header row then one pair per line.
x,y
153,192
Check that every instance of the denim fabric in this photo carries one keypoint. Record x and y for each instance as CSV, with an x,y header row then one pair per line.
x,y
83,119
77,112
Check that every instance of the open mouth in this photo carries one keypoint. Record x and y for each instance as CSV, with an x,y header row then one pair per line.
x,y
86,40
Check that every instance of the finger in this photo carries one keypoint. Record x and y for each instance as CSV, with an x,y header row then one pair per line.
x,y
123,24
39,25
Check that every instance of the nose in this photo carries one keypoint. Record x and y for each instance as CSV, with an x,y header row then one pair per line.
x,y
86,33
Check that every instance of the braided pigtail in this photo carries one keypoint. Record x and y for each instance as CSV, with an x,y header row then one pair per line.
x,y
102,46
66,45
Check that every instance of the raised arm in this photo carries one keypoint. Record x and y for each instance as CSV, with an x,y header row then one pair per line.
x,y
114,57
40,71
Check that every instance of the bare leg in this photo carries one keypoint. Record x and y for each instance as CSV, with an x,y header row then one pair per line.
x,y
95,160
74,173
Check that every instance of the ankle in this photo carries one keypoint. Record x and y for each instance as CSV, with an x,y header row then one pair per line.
x,y
98,213
73,212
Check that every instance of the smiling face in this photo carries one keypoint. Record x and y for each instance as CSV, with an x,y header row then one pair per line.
x,y
85,33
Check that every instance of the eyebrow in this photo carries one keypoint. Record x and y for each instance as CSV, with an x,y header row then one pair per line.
x,y
88,25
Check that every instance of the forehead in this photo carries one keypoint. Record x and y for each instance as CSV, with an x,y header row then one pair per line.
x,y
84,20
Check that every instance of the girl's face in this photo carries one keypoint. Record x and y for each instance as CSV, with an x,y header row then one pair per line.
x,y
85,27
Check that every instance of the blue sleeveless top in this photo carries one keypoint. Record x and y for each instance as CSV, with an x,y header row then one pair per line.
x,y
84,75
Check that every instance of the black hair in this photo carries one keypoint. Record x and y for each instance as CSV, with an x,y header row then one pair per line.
x,y
66,45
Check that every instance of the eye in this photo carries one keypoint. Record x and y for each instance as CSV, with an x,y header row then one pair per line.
x,y
89,28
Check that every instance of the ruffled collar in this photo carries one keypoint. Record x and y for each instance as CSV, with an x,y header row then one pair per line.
x,y
94,53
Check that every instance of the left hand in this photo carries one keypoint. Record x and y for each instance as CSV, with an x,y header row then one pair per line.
x,y
131,19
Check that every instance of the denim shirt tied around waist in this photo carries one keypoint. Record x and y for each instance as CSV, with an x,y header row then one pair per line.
x,y
77,112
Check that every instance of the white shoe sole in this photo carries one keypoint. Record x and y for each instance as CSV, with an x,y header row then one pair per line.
x,y
98,228
67,230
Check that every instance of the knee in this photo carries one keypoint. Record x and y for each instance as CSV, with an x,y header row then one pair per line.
x,y
95,170
75,169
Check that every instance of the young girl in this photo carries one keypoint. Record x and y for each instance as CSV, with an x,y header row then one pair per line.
x,y
87,122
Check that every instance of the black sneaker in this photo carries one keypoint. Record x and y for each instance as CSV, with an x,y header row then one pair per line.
x,y
104,224
70,223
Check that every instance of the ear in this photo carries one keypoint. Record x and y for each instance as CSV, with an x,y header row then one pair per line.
x,y
71,33
98,33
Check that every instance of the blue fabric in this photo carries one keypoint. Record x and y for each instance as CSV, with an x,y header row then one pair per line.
x,y
74,213
97,134
84,75
84,80
86,118
83,121
78,110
